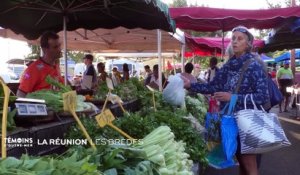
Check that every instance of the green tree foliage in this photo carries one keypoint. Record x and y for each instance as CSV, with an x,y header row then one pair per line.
x,y
35,51
288,3
76,56
271,5
179,3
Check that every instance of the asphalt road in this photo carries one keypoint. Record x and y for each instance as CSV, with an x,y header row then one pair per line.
x,y
285,161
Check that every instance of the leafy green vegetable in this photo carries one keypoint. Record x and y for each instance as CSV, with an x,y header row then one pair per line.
x,y
57,84
48,166
53,99
198,108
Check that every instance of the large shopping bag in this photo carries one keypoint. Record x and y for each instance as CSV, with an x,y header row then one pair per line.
x,y
221,155
229,129
212,124
259,131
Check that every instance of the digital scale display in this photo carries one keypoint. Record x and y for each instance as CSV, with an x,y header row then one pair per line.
x,y
31,109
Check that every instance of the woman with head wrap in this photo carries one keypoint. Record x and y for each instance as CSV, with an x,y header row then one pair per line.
x,y
223,85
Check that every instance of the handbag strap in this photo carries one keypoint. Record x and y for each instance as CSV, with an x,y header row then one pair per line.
x,y
254,105
232,103
244,68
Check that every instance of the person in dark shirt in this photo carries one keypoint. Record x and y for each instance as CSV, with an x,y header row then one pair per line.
x,y
213,69
125,72
90,69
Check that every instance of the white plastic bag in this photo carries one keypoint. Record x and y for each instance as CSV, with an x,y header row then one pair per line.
x,y
174,93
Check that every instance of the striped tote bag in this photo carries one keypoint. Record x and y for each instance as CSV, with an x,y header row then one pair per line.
x,y
259,131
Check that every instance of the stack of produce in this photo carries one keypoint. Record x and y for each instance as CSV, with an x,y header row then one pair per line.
x,y
127,90
70,165
197,107
53,98
166,153
157,153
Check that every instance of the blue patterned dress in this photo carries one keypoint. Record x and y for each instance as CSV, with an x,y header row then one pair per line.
x,y
254,82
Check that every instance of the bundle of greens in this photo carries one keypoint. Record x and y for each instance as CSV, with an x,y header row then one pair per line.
x,y
168,155
117,159
11,114
138,126
70,165
57,84
53,99
101,91
11,125
198,108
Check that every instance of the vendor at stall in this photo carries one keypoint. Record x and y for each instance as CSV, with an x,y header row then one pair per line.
x,y
101,72
34,76
152,80
116,76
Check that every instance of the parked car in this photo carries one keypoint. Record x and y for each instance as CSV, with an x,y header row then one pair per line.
x,y
8,75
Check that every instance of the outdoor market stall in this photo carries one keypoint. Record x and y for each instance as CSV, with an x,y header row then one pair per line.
x,y
212,45
285,36
64,15
213,19
150,156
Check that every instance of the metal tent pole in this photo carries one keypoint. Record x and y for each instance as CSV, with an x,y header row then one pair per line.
x,y
223,46
159,59
65,50
182,57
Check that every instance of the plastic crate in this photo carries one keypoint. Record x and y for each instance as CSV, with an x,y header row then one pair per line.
x,y
133,105
116,110
55,130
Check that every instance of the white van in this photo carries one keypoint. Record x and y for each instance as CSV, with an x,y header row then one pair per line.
x,y
8,75
17,69
134,67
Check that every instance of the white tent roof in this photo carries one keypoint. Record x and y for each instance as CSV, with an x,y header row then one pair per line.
x,y
114,40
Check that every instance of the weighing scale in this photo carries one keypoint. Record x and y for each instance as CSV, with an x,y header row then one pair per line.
x,y
30,107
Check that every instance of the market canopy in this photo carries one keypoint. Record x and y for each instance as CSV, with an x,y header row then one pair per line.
x,y
212,45
287,56
213,19
32,18
265,58
190,54
286,36
111,40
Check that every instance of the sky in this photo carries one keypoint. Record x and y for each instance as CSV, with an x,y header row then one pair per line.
x,y
16,49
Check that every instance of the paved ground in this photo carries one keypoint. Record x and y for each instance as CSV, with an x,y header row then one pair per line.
x,y
285,161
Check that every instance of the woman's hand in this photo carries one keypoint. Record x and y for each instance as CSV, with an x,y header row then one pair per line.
x,y
222,96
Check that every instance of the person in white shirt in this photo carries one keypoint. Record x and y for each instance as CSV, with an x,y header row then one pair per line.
x,y
188,68
148,71
152,80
